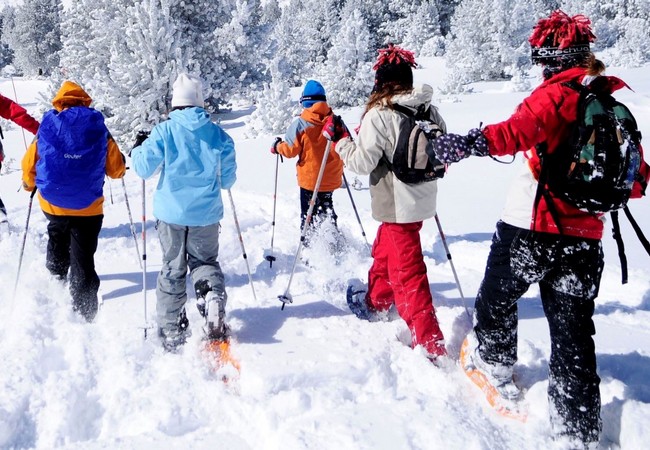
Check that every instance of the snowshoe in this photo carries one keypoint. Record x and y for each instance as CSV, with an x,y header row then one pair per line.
x,y
356,298
495,381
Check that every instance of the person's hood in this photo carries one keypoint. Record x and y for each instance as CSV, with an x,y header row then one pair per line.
x,y
317,113
420,95
191,118
70,94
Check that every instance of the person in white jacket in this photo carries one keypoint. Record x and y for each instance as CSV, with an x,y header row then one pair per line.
x,y
398,274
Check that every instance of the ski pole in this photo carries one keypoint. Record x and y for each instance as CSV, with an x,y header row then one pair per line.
x,y
241,242
110,190
132,226
451,263
270,258
356,213
286,297
22,247
16,98
144,259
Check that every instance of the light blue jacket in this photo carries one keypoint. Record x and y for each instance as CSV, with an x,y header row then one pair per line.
x,y
196,158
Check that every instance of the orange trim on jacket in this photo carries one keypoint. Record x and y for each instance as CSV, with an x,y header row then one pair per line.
x,y
69,95
115,168
305,139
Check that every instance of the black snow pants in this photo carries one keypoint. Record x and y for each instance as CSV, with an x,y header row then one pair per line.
x,y
71,247
568,270
323,208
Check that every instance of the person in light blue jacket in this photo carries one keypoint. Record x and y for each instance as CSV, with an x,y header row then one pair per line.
x,y
196,159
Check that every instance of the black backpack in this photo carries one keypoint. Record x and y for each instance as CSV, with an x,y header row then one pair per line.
x,y
598,164
595,169
414,161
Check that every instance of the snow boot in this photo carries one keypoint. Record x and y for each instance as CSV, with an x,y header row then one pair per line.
x,y
497,375
201,288
176,337
494,380
215,317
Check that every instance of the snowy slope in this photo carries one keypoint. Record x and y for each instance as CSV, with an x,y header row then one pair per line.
x,y
313,376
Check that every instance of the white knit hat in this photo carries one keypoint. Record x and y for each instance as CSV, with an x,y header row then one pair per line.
x,y
187,91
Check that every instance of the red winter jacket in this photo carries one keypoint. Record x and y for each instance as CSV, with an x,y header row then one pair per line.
x,y
546,115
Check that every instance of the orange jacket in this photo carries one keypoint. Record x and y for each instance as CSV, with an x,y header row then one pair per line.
x,y
69,95
305,139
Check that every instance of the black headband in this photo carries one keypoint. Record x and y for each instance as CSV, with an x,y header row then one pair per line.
x,y
315,97
540,54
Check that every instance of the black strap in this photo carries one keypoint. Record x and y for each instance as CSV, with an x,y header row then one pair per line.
x,y
421,112
637,230
616,234
543,192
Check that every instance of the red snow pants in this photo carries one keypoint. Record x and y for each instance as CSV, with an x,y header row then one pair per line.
x,y
398,275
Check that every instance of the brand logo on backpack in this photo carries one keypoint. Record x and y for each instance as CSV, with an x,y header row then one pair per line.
x,y
596,168
414,161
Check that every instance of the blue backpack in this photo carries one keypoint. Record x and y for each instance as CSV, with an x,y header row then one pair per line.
x,y
72,149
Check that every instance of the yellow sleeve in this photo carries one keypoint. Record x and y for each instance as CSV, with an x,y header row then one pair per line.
x,y
28,165
115,166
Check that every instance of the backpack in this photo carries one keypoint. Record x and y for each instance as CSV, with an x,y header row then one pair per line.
x,y
598,164
595,169
414,161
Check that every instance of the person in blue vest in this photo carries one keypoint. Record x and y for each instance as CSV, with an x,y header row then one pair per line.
x,y
67,162
196,160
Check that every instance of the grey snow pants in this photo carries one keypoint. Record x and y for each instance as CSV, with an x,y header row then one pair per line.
x,y
183,247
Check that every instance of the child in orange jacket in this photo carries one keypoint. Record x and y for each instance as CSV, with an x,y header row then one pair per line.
x,y
304,138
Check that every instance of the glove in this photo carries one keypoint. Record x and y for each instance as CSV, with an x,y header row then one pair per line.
x,y
451,148
334,129
27,187
274,147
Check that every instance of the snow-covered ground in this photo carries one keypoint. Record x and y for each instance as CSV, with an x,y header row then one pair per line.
x,y
313,376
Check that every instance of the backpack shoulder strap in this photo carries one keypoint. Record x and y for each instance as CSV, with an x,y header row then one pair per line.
x,y
403,109
542,191
421,112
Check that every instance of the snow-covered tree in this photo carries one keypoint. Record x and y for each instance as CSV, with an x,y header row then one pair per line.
x,y
303,34
423,34
489,40
622,27
144,66
6,23
275,109
347,73
240,44
36,36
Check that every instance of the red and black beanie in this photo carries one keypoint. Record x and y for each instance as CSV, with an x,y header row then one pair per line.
x,y
394,66
561,40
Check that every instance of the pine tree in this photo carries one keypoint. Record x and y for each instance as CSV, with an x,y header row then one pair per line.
x,y
489,40
36,36
144,66
347,73
275,109
6,23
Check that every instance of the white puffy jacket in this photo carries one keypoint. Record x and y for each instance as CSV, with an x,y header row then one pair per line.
x,y
392,201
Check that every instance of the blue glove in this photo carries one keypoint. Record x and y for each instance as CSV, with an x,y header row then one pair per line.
x,y
451,148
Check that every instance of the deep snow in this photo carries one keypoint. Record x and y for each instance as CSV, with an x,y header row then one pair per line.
x,y
313,376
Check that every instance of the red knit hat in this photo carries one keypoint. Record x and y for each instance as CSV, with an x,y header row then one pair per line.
x,y
561,37
394,65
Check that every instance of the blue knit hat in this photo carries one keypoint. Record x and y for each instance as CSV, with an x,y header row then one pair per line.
x,y
313,92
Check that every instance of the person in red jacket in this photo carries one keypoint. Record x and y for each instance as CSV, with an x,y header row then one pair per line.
x,y
11,110
529,246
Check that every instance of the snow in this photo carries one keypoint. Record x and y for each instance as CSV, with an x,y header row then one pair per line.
x,y
313,376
